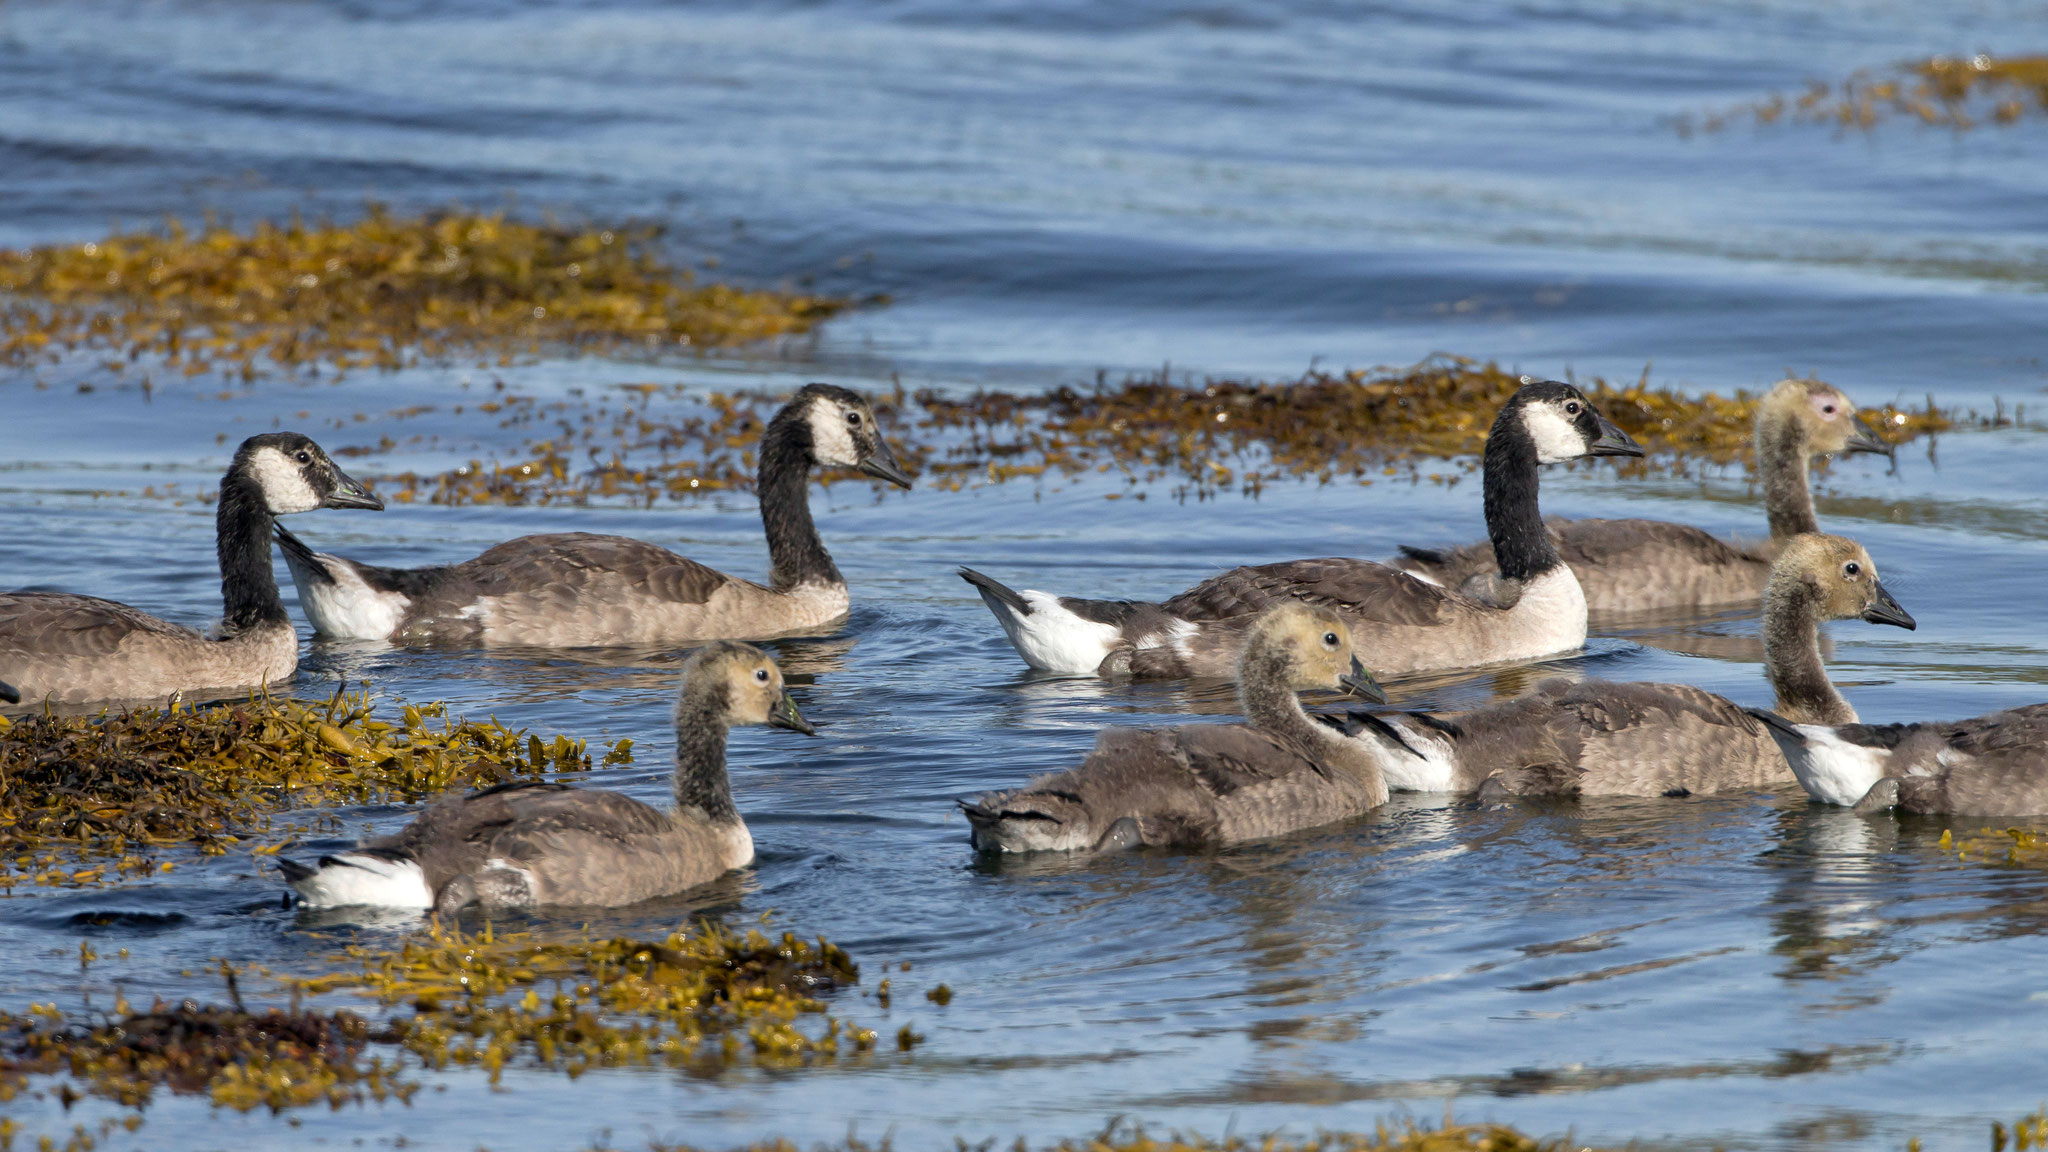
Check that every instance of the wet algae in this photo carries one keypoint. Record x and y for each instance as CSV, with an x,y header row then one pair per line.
x,y
1954,92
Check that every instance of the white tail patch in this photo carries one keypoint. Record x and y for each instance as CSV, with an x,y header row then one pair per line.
x,y
350,878
346,607
1051,638
1831,769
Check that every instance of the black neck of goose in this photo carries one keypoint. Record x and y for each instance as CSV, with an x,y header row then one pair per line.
x,y
796,554
1782,458
1266,694
701,782
1521,546
248,585
1792,656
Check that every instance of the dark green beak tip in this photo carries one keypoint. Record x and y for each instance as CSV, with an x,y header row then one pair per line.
x,y
1888,611
1866,439
349,493
786,716
883,466
1614,442
1361,683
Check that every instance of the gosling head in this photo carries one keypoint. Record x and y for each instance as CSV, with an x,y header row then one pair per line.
x,y
845,434
1312,647
1824,416
1562,424
744,684
292,474
1835,573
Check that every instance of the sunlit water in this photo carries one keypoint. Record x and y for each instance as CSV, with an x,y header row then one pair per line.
x,y
1049,190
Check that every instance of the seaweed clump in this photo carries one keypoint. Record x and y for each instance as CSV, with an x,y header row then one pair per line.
x,y
1209,435
379,293
85,800
1957,93
2000,846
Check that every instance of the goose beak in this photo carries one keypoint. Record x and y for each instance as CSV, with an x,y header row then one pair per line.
x,y
1361,683
9,694
882,465
1613,442
1887,611
350,493
1866,439
785,715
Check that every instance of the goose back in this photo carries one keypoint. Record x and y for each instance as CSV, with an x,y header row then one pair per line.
x,y
1990,765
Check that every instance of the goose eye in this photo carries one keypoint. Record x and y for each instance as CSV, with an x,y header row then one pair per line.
x,y
761,675
1330,638
1571,407
853,419
1852,569
304,456
1828,409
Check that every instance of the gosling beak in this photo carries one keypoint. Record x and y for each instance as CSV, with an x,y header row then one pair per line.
x,y
1362,684
1887,611
9,694
882,465
1866,439
350,493
1613,442
785,715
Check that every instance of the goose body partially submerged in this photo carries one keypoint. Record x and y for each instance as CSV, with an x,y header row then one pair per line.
x,y
529,844
1532,608
1209,784
1603,738
577,589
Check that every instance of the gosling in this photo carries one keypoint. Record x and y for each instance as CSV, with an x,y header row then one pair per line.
x,y
1209,784
530,843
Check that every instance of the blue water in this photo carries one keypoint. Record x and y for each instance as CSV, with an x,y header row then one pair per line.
x,y
1046,191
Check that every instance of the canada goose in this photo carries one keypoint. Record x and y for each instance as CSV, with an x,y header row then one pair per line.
x,y
70,649
1990,765
575,589
1602,738
1406,624
531,843
1209,783
1637,565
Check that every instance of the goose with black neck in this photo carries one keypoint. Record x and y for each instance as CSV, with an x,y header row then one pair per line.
x,y
1532,608
577,589
63,648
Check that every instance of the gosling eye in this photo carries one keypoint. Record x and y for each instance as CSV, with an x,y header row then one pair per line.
x,y
1852,569
1827,409
1330,639
761,675
853,419
1571,407
304,456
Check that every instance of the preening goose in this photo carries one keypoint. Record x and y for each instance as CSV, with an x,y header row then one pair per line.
x,y
575,589
1602,738
1404,623
1638,565
69,649
1209,783
530,843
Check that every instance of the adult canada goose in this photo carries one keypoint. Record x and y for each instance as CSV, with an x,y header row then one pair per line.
x,y
575,589
1602,738
1209,783
532,843
1405,623
70,649
1637,565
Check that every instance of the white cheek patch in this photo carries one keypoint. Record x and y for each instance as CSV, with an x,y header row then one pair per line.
x,y
1557,439
831,439
284,485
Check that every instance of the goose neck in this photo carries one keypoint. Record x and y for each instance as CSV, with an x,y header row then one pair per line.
x,y
701,782
1521,545
1792,656
796,554
1782,459
248,585
1266,695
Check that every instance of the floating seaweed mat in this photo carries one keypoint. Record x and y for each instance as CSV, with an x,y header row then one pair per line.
x,y
84,800
2028,846
382,292
704,999
1208,435
1958,93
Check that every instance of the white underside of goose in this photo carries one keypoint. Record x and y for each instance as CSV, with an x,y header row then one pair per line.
x,y
1435,770
347,608
1053,639
353,879
1833,770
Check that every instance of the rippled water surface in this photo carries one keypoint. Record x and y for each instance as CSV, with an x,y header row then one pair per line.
x,y
1047,190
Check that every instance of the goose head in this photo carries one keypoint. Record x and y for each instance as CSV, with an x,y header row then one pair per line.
x,y
1561,424
292,474
749,683
1826,418
1837,574
845,433
1310,647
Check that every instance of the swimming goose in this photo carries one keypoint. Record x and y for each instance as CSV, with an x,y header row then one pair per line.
x,y
575,589
1406,624
1209,783
1637,565
1602,738
69,649
531,843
